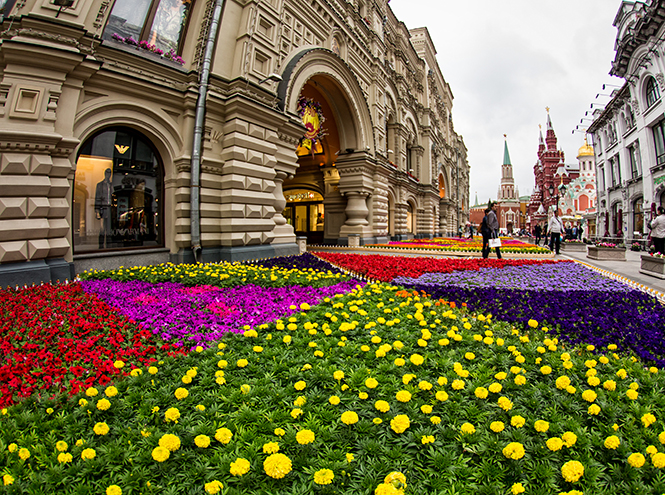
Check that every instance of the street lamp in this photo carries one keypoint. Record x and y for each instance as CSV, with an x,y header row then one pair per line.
x,y
550,189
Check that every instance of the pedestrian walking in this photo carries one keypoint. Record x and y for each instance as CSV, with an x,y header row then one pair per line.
x,y
580,231
537,231
490,230
555,227
658,231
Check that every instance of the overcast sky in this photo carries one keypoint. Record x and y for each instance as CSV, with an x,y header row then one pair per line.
x,y
506,61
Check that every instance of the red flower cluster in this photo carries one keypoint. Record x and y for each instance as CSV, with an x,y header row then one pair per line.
x,y
386,268
57,338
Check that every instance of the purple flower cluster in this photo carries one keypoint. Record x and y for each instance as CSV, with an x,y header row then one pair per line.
x,y
196,315
579,304
305,261
545,277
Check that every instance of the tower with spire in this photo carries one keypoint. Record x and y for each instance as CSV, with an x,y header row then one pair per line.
x,y
550,171
507,189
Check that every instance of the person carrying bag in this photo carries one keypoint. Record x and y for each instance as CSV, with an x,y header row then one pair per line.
x,y
490,231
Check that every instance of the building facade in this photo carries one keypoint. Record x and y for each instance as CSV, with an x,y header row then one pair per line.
x,y
551,175
629,132
162,130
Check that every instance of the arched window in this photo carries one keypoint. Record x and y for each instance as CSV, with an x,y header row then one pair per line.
x,y
160,23
652,92
118,193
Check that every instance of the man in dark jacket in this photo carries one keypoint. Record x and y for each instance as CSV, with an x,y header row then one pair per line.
x,y
537,231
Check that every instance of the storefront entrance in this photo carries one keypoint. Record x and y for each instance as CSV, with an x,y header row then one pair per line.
x,y
304,211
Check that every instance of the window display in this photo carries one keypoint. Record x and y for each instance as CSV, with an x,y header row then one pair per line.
x,y
117,193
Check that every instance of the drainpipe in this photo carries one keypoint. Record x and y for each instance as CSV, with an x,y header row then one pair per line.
x,y
195,180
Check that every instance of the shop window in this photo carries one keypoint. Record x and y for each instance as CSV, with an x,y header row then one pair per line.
x,y
118,193
638,216
160,23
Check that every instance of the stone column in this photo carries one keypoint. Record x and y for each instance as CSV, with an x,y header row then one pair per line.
x,y
356,171
283,232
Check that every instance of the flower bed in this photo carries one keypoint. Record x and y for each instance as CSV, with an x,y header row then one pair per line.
x,y
508,245
58,339
380,390
386,268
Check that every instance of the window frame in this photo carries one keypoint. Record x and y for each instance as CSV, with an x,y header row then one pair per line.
x,y
651,92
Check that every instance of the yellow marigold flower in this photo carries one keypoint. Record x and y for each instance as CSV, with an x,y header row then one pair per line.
x,y
426,409
501,375
64,458
241,466
400,423
458,384
323,477
505,403
202,441
87,454
113,490
622,373
181,393
295,413
101,428
481,392
304,437
636,460
610,385
119,364
514,450
349,417
349,457
377,421
594,409
371,383
417,359
396,479
300,385
554,444
546,370
470,356
497,426
516,489
111,391
403,396
364,348
7,479
468,429
23,453
589,395
382,406
334,400
270,448
541,426
631,394
280,432
569,438
12,447
517,421
425,439
612,442
172,414
570,389
241,363
83,402
648,419
223,435
152,370
651,450
658,460
424,385
399,362
186,379
170,441
407,378
568,365
653,369
572,471
435,420
213,487
532,323
344,387
61,446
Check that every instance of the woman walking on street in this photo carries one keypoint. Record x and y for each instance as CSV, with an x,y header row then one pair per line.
x,y
555,226
490,230
658,231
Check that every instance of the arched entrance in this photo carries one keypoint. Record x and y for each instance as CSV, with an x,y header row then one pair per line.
x,y
305,213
